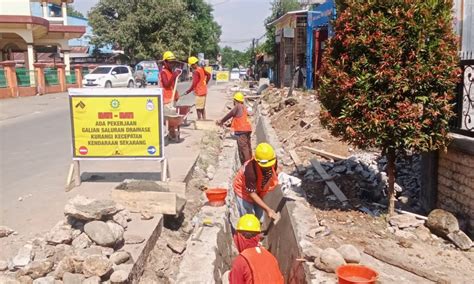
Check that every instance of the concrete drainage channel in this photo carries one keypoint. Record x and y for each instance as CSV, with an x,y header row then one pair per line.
x,y
210,250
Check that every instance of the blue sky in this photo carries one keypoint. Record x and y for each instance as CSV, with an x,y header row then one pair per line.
x,y
241,20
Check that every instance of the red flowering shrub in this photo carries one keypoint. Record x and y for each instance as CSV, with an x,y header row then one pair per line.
x,y
389,74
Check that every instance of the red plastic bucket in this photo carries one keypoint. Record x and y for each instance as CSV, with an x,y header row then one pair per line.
x,y
353,273
216,196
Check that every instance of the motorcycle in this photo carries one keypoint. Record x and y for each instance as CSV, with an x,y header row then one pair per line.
x,y
140,84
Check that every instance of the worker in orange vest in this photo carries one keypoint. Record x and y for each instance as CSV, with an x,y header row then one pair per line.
x,y
257,177
241,127
168,77
200,79
254,264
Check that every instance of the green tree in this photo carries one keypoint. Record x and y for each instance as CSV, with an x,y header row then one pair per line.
x,y
205,31
71,11
279,8
388,76
232,58
146,28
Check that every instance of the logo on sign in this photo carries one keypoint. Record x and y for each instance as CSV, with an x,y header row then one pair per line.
x,y
151,150
114,103
83,150
149,105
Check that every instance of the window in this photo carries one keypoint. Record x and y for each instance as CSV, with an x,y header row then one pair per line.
x,y
123,70
116,69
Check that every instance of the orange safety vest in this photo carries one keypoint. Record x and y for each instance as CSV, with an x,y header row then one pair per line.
x,y
242,123
201,87
263,265
167,92
262,190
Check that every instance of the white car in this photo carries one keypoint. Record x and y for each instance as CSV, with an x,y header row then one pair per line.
x,y
235,74
108,76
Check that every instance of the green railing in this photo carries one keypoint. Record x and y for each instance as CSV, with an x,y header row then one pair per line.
x,y
51,76
24,77
3,79
70,77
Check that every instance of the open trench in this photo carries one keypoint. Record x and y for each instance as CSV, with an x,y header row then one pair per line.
x,y
209,250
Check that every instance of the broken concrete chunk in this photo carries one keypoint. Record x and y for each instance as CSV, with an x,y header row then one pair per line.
x,y
23,257
405,221
146,215
461,240
8,279
116,230
329,260
73,278
38,269
423,233
100,233
133,239
83,208
24,279
92,280
442,223
176,245
120,257
350,253
61,251
3,265
61,233
5,231
122,218
96,265
65,265
45,280
119,277
82,241
312,253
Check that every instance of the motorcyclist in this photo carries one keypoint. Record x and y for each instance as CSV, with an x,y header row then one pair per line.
x,y
140,76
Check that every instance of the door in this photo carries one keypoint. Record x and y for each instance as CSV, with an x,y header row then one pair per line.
x,y
115,78
124,76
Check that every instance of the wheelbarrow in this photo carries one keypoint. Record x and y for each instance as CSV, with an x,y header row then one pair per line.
x,y
173,124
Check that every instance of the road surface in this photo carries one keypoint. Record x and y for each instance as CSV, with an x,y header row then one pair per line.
x,y
35,154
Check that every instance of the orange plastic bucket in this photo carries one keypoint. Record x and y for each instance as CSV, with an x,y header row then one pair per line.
x,y
353,273
216,196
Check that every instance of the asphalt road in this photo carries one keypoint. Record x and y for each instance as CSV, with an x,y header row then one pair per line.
x,y
35,154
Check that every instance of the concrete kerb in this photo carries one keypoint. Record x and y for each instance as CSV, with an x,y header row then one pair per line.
x,y
287,240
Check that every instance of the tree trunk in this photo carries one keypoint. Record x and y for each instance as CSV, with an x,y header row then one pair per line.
x,y
391,180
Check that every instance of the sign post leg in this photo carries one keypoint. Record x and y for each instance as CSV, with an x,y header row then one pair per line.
x,y
77,173
164,170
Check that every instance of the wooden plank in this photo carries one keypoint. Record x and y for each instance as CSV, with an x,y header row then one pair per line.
x,y
331,184
206,125
299,165
325,154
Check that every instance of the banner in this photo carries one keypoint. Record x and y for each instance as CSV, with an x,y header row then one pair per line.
x,y
222,76
116,123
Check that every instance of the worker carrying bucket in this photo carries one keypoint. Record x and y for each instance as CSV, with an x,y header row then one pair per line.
x,y
254,264
199,86
257,177
241,127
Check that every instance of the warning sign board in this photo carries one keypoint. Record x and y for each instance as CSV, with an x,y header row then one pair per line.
x,y
116,123
222,76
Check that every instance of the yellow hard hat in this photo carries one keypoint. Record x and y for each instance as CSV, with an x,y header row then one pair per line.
x,y
239,97
248,223
265,155
168,55
192,60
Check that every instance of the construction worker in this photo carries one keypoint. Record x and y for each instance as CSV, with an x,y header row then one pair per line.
x,y
257,177
168,77
241,126
200,79
254,264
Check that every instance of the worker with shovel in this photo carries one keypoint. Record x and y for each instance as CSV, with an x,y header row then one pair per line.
x,y
254,264
241,127
257,177
200,79
168,78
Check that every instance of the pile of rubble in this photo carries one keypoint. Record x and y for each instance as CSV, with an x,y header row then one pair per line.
x,y
438,224
369,172
86,247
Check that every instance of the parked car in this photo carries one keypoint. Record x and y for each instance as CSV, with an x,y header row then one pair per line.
x,y
235,74
108,76
151,70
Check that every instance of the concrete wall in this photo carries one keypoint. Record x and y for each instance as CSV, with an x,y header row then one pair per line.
x,y
456,180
